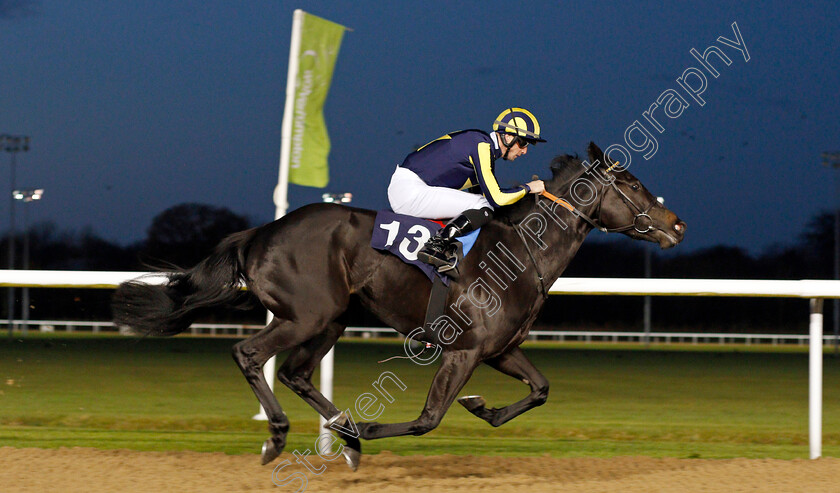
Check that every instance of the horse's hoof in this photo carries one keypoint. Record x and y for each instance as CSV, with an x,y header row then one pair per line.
x,y
472,402
353,457
269,451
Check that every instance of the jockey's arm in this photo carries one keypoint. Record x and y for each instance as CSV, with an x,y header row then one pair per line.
x,y
482,163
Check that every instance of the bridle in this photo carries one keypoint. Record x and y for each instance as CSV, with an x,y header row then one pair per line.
x,y
642,222
638,225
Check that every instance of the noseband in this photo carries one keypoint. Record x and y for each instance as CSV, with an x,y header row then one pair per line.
x,y
642,222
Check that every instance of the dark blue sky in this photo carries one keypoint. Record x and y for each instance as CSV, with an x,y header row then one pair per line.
x,y
134,107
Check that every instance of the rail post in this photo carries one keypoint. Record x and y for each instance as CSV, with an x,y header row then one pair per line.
x,y
815,367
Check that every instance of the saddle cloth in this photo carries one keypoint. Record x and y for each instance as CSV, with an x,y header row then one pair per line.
x,y
404,236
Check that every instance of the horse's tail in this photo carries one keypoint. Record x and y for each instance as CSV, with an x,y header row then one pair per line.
x,y
169,309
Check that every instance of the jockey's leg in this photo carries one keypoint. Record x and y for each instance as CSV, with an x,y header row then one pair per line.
x,y
408,194
441,250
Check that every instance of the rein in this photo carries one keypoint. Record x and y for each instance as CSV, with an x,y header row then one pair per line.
x,y
566,205
635,225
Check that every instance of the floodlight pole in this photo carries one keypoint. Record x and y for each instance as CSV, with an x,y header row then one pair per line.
x,y
328,361
832,160
12,144
835,313
647,306
10,299
26,196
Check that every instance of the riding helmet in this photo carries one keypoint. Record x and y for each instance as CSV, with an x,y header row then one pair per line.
x,y
520,122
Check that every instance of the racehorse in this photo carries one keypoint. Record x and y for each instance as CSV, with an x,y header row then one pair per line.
x,y
305,267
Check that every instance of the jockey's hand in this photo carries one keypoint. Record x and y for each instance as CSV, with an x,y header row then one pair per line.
x,y
536,186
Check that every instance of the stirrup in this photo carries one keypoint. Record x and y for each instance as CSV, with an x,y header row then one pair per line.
x,y
436,251
446,268
455,256
437,259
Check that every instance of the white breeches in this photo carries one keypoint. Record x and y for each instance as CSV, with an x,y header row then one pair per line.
x,y
409,194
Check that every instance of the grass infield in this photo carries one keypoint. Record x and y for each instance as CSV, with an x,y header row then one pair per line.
x,y
606,400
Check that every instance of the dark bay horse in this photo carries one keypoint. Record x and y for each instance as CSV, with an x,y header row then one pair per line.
x,y
305,267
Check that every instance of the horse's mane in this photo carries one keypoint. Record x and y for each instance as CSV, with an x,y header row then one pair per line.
x,y
564,169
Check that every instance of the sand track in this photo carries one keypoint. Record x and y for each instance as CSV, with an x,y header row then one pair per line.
x,y
92,470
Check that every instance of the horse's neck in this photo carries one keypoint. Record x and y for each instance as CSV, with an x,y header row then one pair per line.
x,y
568,242
563,236
564,233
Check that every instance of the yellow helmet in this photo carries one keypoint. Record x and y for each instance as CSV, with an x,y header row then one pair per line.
x,y
519,122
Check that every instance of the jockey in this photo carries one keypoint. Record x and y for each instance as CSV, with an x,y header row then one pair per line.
x,y
434,181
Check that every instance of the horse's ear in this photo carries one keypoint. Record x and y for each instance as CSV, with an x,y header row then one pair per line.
x,y
595,153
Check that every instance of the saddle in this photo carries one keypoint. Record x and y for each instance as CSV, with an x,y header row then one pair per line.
x,y
404,236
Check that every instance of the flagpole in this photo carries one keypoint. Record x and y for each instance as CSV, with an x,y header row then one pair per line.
x,y
281,192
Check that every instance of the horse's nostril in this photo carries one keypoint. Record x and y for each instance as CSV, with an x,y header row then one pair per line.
x,y
679,227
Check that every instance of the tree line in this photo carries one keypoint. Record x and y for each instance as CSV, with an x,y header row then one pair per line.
x,y
184,234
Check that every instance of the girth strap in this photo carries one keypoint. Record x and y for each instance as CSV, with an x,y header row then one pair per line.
x,y
533,260
435,308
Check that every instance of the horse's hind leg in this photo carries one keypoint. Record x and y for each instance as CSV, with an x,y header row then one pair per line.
x,y
251,354
517,365
455,369
296,374
296,371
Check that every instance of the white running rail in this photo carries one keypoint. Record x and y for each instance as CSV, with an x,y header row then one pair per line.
x,y
814,290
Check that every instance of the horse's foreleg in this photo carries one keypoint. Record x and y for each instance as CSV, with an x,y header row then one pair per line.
x,y
296,374
251,354
517,365
455,369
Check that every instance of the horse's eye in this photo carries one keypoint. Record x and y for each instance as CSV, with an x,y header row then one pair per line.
x,y
634,187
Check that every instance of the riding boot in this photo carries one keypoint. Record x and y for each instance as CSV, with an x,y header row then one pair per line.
x,y
442,250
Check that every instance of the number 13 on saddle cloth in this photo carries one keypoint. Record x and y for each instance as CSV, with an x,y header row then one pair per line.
x,y
404,236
